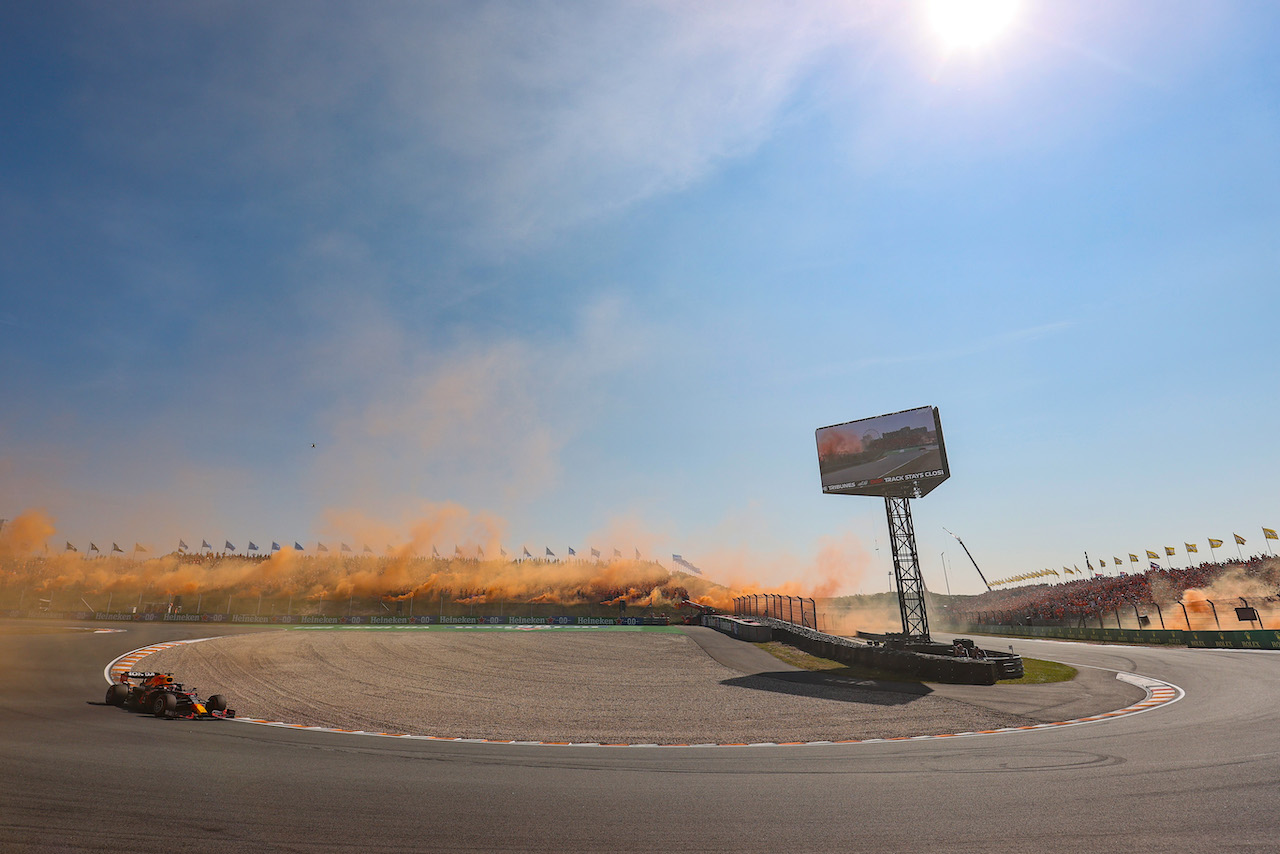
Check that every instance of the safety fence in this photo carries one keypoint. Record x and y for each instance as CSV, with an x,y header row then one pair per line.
x,y
1254,639
793,609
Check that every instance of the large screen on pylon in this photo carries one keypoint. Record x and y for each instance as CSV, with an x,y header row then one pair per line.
x,y
899,455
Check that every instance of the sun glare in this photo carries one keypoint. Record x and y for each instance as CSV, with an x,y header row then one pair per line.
x,y
971,24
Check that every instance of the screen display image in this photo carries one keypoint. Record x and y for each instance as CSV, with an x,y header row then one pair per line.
x,y
900,455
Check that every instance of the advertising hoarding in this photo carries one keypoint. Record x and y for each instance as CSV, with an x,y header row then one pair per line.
x,y
899,455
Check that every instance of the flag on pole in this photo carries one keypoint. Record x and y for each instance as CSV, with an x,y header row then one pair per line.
x,y
182,547
367,549
1239,539
637,554
1157,567
204,544
275,547
457,552
679,561
298,546
71,548
344,547
526,551
1270,534
1067,571
253,547
1170,551
617,553
595,553
502,551
116,548
550,553
1215,544
139,547
1115,560
572,553
1152,555
226,544
92,547
434,553
1192,548
1133,558
320,547
480,552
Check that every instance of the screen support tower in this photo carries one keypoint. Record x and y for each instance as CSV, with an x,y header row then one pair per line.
x,y
906,569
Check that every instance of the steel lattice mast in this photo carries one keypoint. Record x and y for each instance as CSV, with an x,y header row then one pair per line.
x,y
906,569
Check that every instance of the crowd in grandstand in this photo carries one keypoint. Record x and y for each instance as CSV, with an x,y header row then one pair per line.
x,y
1072,601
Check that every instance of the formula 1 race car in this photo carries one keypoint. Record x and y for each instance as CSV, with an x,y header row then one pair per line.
x,y
158,694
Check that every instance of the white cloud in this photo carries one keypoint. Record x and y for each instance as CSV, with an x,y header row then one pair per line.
x,y
561,112
513,120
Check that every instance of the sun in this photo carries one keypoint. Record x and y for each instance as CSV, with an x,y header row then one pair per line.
x,y
971,24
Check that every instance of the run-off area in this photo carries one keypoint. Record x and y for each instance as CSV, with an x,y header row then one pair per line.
x,y
574,684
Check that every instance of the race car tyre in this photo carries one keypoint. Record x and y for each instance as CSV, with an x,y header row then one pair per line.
x,y
164,705
117,694
217,703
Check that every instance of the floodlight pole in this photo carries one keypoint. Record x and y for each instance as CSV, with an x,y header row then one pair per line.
x,y
906,569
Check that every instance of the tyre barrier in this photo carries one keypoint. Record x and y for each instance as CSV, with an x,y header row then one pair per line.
x,y
930,668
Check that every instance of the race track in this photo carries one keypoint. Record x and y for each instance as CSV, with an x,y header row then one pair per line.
x,y
1196,775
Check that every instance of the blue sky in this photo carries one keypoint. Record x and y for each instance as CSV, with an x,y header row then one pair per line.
x,y
600,269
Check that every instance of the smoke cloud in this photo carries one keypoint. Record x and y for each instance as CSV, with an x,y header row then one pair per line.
x,y
446,553
1234,588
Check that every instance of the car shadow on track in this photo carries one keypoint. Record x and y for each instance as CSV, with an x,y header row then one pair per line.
x,y
805,683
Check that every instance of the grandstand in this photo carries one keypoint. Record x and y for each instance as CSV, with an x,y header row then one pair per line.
x,y
1191,598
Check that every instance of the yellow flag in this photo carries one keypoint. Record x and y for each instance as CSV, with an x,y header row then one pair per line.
x,y
1270,534
1239,539
1191,547
1116,559
1215,544
1170,550
1133,558
1152,554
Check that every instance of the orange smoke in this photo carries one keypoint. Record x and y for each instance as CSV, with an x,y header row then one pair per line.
x,y
406,570
1234,588
26,534
833,442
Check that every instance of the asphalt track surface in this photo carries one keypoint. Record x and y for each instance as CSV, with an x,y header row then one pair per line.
x,y
1199,775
